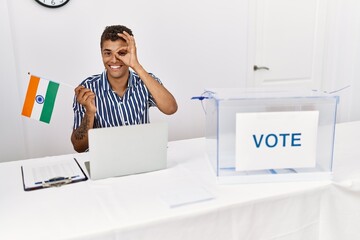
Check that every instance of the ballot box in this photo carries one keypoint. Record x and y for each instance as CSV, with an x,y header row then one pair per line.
x,y
263,135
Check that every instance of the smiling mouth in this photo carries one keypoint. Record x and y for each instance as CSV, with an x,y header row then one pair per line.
x,y
115,67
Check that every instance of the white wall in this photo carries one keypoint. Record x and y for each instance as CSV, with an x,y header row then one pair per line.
x,y
342,56
190,45
12,144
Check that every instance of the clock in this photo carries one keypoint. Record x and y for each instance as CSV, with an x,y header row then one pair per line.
x,y
52,3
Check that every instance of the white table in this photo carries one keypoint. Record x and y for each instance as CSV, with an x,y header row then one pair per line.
x,y
133,207
340,212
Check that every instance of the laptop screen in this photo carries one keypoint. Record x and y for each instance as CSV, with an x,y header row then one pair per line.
x,y
126,150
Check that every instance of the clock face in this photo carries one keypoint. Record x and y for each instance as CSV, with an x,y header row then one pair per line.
x,y
52,3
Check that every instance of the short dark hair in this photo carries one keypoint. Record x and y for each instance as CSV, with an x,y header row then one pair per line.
x,y
111,33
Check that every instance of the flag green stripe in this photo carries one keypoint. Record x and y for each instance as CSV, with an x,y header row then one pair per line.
x,y
49,101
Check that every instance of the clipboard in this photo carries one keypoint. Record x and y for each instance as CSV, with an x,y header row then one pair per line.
x,y
51,172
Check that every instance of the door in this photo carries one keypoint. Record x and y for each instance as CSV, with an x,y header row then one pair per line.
x,y
286,43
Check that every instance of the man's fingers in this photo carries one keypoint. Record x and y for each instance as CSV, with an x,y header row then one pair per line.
x,y
122,51
83,91
128,38
78,89
124,35
83,94
87,95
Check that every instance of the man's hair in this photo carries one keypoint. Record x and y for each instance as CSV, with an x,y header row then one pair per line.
x,y
111,33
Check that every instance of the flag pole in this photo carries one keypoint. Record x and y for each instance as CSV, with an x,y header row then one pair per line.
x,y
61,83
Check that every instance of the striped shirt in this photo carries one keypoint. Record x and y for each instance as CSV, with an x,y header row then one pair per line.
x,y
112,110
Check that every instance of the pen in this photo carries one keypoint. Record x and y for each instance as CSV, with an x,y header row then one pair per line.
x,y
57,179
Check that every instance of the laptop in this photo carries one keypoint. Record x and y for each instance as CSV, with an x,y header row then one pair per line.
x,y
127,150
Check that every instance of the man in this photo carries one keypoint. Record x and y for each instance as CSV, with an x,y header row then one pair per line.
x,y
118,96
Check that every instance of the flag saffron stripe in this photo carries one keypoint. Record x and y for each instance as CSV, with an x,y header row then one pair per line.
x,y
49,102
30,96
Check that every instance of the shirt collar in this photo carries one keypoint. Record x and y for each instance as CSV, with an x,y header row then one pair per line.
x,y
106,84
131,79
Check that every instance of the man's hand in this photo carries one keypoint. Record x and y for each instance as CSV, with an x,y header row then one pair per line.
x,y
163,98
86,97
128,54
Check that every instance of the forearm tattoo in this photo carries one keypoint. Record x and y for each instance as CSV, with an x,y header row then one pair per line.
x,y
81,132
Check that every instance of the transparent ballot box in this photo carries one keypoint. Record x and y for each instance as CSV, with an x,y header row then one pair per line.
x,y
261,136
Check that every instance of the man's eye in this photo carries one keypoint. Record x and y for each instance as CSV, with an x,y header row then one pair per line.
x,y
122,53
106,54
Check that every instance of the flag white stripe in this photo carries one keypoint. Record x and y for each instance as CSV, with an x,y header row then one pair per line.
x,y
37,109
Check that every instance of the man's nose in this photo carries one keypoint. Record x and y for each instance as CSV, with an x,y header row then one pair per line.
x,y
113,58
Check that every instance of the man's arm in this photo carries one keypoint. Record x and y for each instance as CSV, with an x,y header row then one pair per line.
x,y
79,136
164,100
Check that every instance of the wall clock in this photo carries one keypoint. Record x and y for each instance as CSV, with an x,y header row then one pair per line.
x,y
52,3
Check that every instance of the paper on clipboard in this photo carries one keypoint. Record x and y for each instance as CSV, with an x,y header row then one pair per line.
x,y
54,171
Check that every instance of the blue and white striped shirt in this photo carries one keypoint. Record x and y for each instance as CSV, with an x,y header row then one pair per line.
x,y
112,110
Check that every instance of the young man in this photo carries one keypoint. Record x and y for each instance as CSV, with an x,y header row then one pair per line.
x,y
118,96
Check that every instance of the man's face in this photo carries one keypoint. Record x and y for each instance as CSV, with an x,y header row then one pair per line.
x,y
116,69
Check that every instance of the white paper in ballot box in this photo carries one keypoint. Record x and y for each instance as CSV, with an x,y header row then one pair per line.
x,y
276,140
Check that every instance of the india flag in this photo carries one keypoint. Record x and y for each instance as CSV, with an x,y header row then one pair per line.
x,y
40,99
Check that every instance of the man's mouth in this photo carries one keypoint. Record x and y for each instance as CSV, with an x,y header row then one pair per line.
x,y
115,67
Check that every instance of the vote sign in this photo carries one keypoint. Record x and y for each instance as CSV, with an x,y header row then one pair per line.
x,y
276,140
